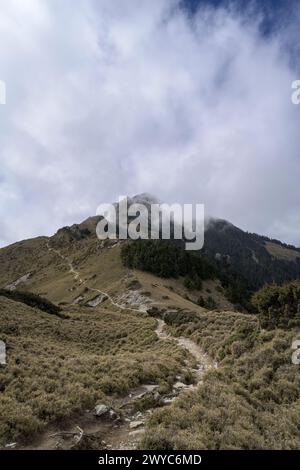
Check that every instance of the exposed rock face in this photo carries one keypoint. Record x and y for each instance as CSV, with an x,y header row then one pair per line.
x,y
78,299
76,231
71,233
21,280
97,300
135,300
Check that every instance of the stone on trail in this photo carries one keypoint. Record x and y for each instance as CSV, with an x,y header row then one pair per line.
x,y
136,424
101,410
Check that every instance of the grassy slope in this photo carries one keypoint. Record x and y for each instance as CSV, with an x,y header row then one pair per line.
x,y
58,367
100,267
50,274
251,401
282,252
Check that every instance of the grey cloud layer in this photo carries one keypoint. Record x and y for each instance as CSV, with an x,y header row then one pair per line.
x,y
110,98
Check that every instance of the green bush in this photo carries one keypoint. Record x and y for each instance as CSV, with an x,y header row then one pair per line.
x,y
278,306
209,303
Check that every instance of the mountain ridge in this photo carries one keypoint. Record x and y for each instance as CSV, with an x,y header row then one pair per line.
x,y
256,259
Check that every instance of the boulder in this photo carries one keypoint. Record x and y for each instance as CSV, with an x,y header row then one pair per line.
x,y
107,412
168,401
11,445
102,410
136,424
113,415
99,299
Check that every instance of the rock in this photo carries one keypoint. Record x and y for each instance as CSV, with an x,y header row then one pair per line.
x,y
99,299
150,388
113,415
11,445
179,385
168,401
136,432
134,299
78,299
101,410
21,280
106,412
136,424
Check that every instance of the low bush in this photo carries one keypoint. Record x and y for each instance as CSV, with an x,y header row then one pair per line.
x,y
278,306
32,300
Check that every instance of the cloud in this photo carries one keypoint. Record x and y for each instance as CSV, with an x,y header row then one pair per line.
x,y
130,96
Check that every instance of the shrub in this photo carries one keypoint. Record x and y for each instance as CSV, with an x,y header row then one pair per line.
x,y
209,303
278,306
32,300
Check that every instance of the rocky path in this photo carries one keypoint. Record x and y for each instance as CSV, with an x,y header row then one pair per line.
x,y
203,361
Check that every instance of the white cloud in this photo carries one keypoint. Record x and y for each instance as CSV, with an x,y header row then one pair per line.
x,y
129,96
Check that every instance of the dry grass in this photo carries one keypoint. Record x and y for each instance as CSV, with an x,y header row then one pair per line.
x,y
252,401
100,267
281,252
58,367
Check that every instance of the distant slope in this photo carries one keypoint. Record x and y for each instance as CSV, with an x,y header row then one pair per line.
x,y
248,260
255,258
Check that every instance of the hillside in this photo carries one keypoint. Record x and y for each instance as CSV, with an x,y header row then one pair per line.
x,y
256,259
169,361
59,368
102,348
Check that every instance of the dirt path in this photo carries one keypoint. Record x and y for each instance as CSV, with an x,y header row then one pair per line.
x,y
123,433
203,360
76,275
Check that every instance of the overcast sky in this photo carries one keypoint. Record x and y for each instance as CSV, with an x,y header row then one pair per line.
x,y
188,101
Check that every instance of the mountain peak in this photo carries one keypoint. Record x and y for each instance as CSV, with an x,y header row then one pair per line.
x,y
145,198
